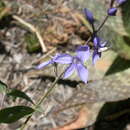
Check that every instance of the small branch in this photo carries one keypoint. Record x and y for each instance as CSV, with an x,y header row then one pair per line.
x,y
42,99
69,107
44,56
33,29
111,3
50,90
101,25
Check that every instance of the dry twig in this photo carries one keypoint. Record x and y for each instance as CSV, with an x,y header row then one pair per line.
x,y
33,29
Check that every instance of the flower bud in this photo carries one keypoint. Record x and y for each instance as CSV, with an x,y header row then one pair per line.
x,y
112,11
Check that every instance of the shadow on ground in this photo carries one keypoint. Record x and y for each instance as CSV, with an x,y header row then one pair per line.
x,y
118,65
112,116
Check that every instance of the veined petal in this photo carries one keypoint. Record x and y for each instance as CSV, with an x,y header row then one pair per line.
x,y
96,56
69,71
83,52
44,64
82,72
63,59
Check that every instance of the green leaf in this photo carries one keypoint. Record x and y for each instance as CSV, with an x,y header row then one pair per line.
x,y
12,114
32,43
2,6
3,87
17,93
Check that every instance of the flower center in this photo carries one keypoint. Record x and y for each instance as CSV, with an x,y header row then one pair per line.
x,y
76,60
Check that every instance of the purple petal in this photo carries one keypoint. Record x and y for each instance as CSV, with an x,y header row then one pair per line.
x,y
69,71
44,64
103,44
63,59
83,52
112,11
82,72
96,41
89,16
121,1
96,56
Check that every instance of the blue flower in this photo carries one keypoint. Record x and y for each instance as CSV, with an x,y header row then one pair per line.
x,y
76,63
121,1
99,46
112,11
58,58
89,16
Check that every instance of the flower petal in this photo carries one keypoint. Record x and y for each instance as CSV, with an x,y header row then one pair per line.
x,y
69,71
112,11
83,52
121,1
96,41
103,44
96,56
102,49
89,16
44,64
82,72
63,59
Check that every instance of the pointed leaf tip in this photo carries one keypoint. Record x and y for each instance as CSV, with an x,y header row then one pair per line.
x,y
20,94
12,114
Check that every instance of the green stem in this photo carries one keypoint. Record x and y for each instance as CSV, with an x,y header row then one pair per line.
x,y
42,99
101,25
49,91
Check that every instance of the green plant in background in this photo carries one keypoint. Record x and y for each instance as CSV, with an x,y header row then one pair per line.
x,y
14,113
4,11
2,6
32,43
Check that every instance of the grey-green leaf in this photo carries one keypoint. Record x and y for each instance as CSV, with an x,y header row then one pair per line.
x,y
12,114
17,93
3,87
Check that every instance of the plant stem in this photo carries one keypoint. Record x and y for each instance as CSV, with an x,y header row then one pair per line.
x,y
97,30
101,25
49,91
42,99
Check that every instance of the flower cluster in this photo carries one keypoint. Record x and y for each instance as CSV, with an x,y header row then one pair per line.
x,y
77,62
99,46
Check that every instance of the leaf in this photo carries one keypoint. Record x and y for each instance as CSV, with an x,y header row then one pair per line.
x,y
2,6
32,43
17,93
3,87
12,114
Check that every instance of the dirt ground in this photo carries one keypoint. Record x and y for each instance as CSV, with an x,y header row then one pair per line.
x,y
62,28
